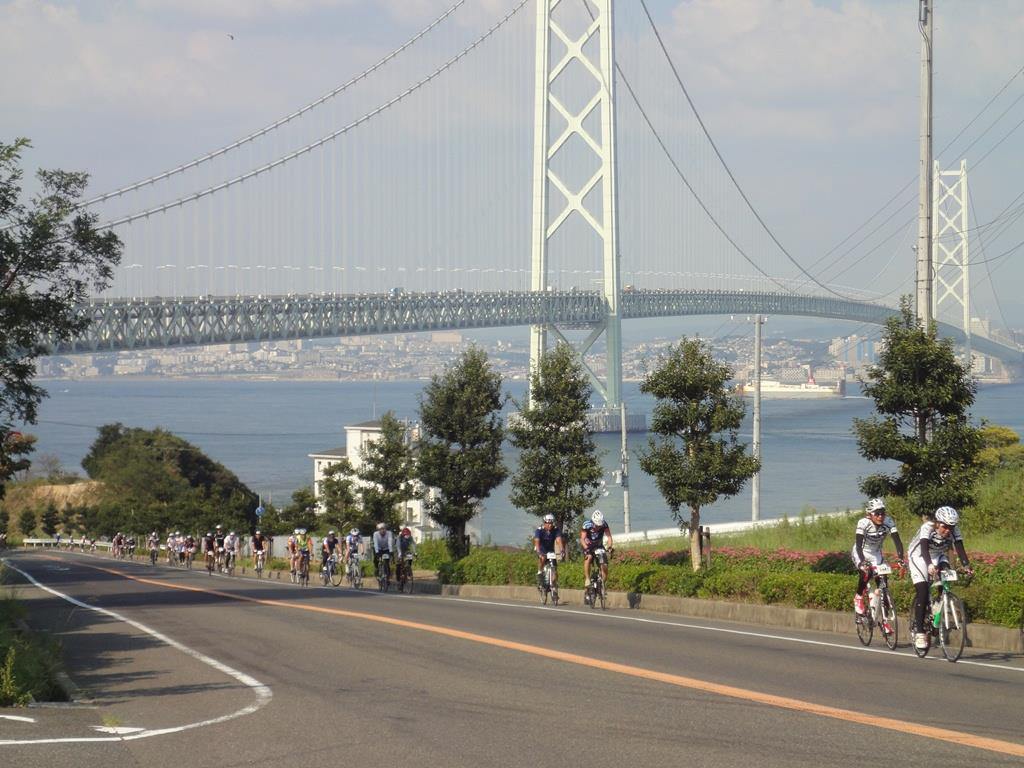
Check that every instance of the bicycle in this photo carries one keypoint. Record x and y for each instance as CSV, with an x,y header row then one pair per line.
x,y
946,617
229,563
153,554
403,573
355,573
210,561
384,572
595,591
881,611
189,556
548,586
304,569
258,563
329,570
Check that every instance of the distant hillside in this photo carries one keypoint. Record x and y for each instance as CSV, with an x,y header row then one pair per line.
x,y
35,495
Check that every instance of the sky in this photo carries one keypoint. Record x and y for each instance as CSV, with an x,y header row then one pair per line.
x,y
814,105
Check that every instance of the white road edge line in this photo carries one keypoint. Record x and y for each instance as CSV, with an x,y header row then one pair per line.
x,y
263,692
725,630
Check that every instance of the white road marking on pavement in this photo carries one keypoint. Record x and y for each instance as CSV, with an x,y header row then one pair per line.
x,y
118,729
706,628
18,718
263,692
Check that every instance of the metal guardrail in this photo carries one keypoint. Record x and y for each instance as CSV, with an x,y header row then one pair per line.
x,y
660,534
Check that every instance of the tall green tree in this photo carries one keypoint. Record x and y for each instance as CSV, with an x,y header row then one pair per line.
x,y
559,468
387,472
338,497
460,449
697,458
14,450
27,522
50,519
301,512
5,519
922,394
52,257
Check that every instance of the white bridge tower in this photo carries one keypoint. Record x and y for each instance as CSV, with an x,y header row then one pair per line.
x,y
575,221
951,298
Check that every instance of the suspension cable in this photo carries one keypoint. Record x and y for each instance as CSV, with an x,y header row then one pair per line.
x,y
278,123
324,139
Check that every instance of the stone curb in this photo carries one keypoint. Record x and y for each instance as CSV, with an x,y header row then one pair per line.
x,y
982,636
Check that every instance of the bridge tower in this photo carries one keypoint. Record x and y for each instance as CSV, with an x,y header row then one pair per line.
x,y
951,298
575,53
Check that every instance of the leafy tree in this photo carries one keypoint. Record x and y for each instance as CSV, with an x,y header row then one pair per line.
x,y
52,257
51,517
155,480
697,458
14,450
460,450
301,513
338,497
559,468
27,522
1001,447
922,395
387,470
5,519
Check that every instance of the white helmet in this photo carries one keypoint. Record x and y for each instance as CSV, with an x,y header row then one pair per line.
x,y
302,531
354,532
549,518
598,517
947,515
382,526
874,505
331,533
297,531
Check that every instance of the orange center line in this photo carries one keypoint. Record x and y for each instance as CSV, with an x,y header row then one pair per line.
x,y
781,702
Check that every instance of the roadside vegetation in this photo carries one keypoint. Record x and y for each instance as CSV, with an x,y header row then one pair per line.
x,y
28,662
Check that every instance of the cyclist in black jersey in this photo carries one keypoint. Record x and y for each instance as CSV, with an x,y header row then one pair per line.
x,y
330,543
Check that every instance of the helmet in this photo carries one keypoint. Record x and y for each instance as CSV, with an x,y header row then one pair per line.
x,y
257,531
382,526
232,533
219,527
947,515
302,531
153,533
406,532
297,531
597,517
354,532
331,533
549,518
177,533
209,534
874,505
588,525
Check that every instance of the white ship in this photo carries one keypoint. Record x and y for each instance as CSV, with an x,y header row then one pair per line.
x,y
776,390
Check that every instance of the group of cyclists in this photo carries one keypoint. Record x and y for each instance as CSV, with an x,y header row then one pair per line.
x,y
926,557
549,539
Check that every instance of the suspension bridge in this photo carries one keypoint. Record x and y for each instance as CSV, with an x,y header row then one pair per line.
x,y
452,185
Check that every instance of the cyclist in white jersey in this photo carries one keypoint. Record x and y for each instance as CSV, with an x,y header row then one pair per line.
x,y
867,548
928,555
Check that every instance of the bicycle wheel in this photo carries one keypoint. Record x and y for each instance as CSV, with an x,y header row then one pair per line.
x,y
336,575
890,621
952,627
921,652
601,594
325,574
865,626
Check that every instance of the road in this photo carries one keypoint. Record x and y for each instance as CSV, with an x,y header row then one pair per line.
x,y
260,672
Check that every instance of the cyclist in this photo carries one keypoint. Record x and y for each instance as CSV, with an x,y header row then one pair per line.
x,y
404,545
232,546
383,542
330,543
592,537
218,542
170,547
867,548
190,549
303,547
116,544
153,544
209,549
353,548
259,547
546,539
293,554
179,548
927,556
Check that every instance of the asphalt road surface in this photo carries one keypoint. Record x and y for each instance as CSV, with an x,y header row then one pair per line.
x,y
187,669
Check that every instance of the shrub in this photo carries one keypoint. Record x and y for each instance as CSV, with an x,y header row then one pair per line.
x,y
430,554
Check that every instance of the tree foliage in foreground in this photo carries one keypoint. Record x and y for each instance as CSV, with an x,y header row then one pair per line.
x,y
387,473
52,257
697,458
559,468
460,449
922,394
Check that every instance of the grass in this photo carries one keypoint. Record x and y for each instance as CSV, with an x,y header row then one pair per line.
x,y
28,662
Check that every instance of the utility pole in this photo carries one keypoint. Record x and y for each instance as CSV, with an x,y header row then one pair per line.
x,y
625,470
924,214
755,487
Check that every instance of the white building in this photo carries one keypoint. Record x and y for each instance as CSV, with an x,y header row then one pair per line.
x,y
356,437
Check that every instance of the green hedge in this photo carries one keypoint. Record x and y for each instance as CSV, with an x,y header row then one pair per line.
x,y
996,595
